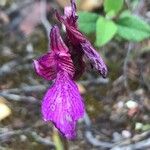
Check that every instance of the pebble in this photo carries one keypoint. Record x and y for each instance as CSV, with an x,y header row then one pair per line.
x,y
131,104
126,134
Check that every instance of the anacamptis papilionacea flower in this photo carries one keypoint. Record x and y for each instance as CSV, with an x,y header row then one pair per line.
x,y
62,103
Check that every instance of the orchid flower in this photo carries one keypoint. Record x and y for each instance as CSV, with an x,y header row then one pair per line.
x,y
79,41
62,103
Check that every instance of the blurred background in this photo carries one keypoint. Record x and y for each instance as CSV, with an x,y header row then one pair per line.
x,y
117,108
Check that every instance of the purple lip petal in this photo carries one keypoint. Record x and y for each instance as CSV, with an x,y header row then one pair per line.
x,y
45,66
95,59
63,105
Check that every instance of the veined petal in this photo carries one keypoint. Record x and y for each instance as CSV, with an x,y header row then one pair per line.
x,y
77,38
63,105
70,14
74,9
72,31
57,59
75,35
57,44
45,66
70,11
92,55
95,59
62,55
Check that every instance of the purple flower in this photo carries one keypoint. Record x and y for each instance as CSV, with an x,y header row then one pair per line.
x,y
77,39
62,104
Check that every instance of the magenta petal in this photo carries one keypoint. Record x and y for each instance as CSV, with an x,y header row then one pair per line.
x,y
74,34
67,11
93,56
95,59
58,59
62,55
74,9
45,66
63,105
76,38
70,14
57,44
70,11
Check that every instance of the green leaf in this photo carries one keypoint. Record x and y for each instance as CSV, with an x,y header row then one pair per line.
x,y
143,127
146,127
105,31
87,22
113,5
133,28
